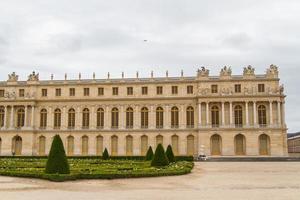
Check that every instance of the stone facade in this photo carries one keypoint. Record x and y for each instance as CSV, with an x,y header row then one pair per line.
x,y
225,115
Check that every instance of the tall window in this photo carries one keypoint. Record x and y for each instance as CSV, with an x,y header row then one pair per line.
x,y
21,92
174,117
21,117
100,118
2,115
43,119
144,90
144,117
57,118
214,89
114,118
261,87
215,116
129,117
72,92
237,88
262,115
189,89
58,92
85,118
115,91
100,91
1,93
44,92
71,118
174,89
159,117
238,116
129,90
159,90
190,117
86,91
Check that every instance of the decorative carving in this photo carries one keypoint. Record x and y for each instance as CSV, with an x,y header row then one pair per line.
x,y
51,77
33,76
226,71
167,74
122,74
181,73
281,89
152,74
13,77
137,74
249,70
203,72
66,76
108,75
272,72
94,75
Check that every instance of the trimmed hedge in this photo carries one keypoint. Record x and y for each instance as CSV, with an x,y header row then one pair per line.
x,y
160,159
57,162
149,155
170,154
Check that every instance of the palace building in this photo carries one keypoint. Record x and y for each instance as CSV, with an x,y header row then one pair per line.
x,y
225,115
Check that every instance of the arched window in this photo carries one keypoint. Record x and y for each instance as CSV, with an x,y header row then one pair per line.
x,y
144,117
190,117
144,145
129,117
264,145
190,145
129,145
114,118
70,145
84,145
240,144
100,118
159,117
175,144
99,145
42,145
17,145
20,117
159,140
114,145
71,118
262,115
2,115
238,116
215,122
216,145
174,117
85,118
57,118
43,119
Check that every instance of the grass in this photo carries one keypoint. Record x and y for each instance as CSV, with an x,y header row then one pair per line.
x,y
91,168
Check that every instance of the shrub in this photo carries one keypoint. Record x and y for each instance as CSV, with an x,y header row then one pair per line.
x,y
149,155
170,154
57,162
105,155
160,158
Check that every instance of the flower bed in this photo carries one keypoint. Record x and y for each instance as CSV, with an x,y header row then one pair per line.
x,y
92,168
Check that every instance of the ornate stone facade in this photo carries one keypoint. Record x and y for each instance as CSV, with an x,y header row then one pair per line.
x,y
226,115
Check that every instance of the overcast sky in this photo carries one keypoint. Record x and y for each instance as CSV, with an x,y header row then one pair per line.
x,y
58,36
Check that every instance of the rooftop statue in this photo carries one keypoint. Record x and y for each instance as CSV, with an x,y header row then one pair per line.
x,y
249,70
13,77
273,70
203,72
33,76
226,71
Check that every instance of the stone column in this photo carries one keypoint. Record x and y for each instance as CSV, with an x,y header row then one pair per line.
x,y
122,117
207,114
279,113
5,117
107,124
167,122
78,122
223,114
230,114
32,117
283,114
247,114
12,117
93,118
254,114
49,119
182,117
271,113
152,118
63,118
199,115
136,120
25,115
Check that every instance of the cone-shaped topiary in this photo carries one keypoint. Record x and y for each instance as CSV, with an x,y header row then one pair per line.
x,y
149,155
160,158
57,162
105,155
170,154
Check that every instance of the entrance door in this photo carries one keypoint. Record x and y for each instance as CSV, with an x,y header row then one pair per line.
x,y
215,145
240,145
264,145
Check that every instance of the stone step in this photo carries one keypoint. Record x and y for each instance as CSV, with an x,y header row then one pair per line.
x,y
251,159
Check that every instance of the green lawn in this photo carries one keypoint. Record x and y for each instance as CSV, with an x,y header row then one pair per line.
x,y
91,168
